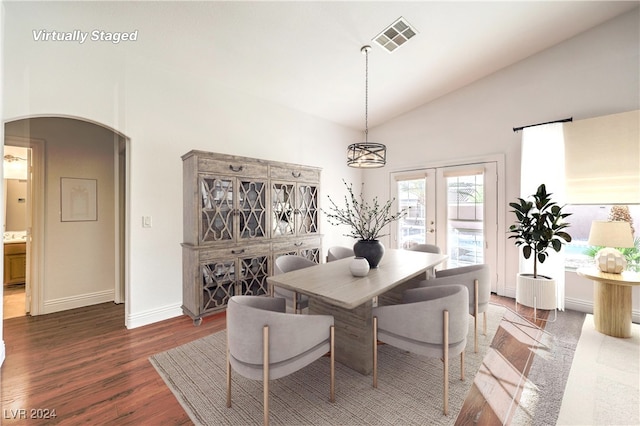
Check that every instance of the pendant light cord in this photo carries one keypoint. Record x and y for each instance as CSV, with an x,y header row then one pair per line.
x,y
366,94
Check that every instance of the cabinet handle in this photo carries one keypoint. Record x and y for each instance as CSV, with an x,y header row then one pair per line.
x,y
237,251
296,174
298,244
235,168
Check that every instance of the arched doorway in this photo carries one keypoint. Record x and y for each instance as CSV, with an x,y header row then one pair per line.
x,y
78,228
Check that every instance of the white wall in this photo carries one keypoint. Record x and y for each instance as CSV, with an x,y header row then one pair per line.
x,y
595,73
165,111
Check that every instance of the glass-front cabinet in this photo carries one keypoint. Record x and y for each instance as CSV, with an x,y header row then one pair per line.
x,y
232,209
294,198
295,209
239,214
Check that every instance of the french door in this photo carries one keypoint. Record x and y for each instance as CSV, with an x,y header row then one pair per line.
x,y
453,207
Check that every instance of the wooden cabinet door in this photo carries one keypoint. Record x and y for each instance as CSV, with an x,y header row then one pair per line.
x,y
307,209
252,203
254,271
283,207
218,284
216,208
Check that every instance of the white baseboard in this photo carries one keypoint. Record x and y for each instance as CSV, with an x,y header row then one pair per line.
x,y
154,315
78,301
2,352
510,292
579,305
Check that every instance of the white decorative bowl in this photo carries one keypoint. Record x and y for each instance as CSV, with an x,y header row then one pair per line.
x,y
359,267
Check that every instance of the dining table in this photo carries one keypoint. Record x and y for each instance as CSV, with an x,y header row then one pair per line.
x,y
333,290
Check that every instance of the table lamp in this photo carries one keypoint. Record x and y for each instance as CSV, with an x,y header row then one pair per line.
x,y
610,234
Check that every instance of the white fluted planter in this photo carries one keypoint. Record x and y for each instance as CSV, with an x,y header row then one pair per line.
x,y
537,293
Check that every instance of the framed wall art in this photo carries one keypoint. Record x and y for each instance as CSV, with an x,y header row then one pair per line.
x,y
78,200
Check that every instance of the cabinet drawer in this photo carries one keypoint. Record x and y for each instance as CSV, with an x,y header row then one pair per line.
x,y
232,167
233,252
292,173
295,244
15,248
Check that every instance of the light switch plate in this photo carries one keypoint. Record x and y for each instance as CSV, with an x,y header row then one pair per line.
x,y
146,221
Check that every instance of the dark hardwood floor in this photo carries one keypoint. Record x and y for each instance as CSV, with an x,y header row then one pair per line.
x,y
90,369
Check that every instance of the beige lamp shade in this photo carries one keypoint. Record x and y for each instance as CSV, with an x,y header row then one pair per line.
x,y
610,234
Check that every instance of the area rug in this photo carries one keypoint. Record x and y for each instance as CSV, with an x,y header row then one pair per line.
x,y
545,383
409,386
604,382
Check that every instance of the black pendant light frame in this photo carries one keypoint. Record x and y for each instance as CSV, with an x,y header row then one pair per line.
x,y
366,154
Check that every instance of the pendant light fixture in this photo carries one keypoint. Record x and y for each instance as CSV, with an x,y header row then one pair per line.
x,y
366,154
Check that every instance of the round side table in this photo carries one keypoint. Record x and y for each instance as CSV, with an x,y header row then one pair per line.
x,y
612,300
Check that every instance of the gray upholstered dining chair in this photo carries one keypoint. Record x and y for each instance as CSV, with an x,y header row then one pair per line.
x,y
478,282
427,248
338,252
266,343
289,263
431,321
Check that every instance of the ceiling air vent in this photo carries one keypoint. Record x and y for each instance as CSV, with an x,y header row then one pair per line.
x,y
395,35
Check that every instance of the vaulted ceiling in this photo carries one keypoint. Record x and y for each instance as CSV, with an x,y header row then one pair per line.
x,y
306,54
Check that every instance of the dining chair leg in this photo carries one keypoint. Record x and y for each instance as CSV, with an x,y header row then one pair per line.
x,y
475,316
332,392
462,365
445,349
484,315
228,375
375,352
265,373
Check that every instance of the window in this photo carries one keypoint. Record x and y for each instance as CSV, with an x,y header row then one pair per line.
x,y
465,225
577,251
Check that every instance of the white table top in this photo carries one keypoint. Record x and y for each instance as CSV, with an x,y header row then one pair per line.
x,y
333,283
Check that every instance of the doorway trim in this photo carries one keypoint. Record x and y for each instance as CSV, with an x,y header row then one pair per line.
x,y
35,251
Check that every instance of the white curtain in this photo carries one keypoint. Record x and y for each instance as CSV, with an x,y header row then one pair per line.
x,y
543,162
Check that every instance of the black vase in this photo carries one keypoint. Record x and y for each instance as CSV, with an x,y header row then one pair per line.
x,y
372,250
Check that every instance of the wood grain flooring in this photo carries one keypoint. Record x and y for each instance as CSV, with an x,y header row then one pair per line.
x,y
13,301
90,369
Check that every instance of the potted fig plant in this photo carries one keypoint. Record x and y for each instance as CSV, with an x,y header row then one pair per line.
x,y
366,221
539,227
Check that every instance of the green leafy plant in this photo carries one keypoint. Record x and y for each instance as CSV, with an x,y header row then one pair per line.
x,y
539,226
365,219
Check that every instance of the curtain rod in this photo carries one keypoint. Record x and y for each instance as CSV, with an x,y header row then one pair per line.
x,y
564,120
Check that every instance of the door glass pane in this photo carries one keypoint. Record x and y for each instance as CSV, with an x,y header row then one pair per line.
x,y
465,225
411,196
216,209
252,202
308,209
282,198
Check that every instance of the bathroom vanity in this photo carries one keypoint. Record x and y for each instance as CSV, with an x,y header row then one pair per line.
x,y
15,259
